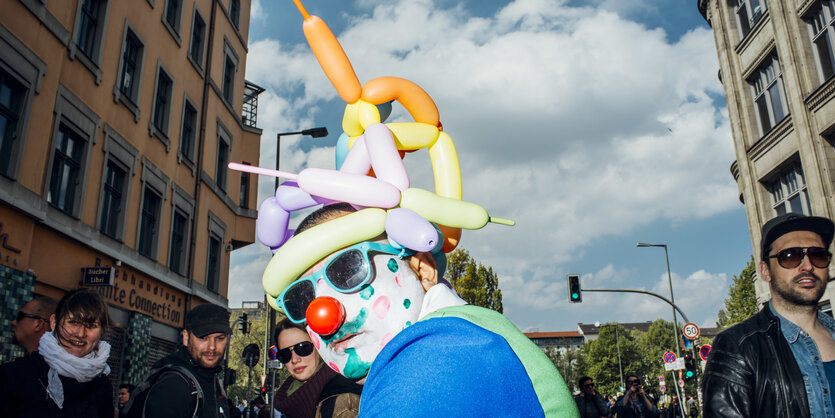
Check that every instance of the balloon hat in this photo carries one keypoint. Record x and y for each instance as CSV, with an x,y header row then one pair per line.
x,y
369,175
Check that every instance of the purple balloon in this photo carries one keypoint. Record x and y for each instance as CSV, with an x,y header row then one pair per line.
x,y
410,230
287,235
272,222
291,197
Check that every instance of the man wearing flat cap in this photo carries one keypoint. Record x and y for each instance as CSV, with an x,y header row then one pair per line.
x,y
205,337
781,361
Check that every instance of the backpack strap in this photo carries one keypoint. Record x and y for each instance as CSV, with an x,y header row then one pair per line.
x,y
157,375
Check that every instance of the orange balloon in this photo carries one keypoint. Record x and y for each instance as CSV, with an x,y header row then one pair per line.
x,y
332,59
410,95
451,238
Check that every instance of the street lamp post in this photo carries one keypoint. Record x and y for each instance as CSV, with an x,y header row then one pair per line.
x,y
313,132
672,298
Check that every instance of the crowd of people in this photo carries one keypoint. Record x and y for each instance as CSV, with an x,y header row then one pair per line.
x,y
416,349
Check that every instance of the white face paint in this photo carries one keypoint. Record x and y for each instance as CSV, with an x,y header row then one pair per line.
x,y
373,316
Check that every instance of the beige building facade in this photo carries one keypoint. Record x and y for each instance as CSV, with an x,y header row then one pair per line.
x,y
777,62
117,121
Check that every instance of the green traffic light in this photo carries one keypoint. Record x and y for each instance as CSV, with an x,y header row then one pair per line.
x,y
575,295
689,373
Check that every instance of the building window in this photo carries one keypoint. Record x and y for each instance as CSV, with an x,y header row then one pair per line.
x,y
222,162
149,222
769,96
114,187
188,132
235,12
820,21
198,36
213,267
244,198
12,95
132,54
162,102
172,15
89,28
229,79
66,169
177,253
788,191
748,13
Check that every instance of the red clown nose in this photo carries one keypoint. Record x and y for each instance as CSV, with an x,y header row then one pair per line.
x,y
325,315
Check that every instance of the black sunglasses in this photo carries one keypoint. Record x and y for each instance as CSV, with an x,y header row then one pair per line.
x,y
790,258
633,382
21,315
302,349
588,385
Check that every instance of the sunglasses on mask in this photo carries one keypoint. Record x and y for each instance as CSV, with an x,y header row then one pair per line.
x,y
302,349
790,258
347,272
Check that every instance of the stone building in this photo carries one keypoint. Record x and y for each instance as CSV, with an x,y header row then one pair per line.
x,y
117,121
776,63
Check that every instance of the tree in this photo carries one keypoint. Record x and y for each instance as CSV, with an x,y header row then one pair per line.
x,y
255,335
603,357
475,283
569,362
742,299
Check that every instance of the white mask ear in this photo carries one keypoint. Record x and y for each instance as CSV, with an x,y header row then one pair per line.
x,y
423,264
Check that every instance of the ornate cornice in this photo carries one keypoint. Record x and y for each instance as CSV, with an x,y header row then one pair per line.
x,y
804,7
765,52
821,95
770,139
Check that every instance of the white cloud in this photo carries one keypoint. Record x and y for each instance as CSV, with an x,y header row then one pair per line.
x,y
572,121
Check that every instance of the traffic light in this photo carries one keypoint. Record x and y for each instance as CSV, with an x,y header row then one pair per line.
x,y
244,323
575,294
689,368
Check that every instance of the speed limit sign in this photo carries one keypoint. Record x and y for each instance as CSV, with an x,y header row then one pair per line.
x,y
690,331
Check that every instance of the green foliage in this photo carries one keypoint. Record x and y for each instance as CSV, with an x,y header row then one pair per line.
x,y
475,283
742,299
569,363
257,330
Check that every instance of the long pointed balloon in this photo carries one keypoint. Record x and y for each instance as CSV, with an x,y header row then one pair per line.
x,y
331,56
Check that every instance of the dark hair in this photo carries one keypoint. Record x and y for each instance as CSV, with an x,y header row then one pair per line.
x,y
582,380
127,386
631,375
323,215
84,305
44,306
286,323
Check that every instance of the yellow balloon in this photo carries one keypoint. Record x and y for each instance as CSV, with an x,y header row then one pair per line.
x,y
271,301
444,210
367,114
350,120
413,135
446,168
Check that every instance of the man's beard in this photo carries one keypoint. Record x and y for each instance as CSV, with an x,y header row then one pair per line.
x,y
198,358
792,295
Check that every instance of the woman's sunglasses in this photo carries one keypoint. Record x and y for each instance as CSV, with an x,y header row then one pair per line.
x,y
790,258
302,349
348,271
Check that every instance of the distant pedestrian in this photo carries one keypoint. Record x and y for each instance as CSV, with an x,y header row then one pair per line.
x,y
692,407
124,394
780,362
67,375
674,409
205,337
589,402
32,322
635,403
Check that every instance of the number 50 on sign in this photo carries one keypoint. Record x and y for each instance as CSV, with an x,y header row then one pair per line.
x,y
690,330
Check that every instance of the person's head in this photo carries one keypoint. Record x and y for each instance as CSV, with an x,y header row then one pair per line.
x,y
124,393
206,334
80,321
586,385
378,287
632,380
259,402
795,258
296,350
32,322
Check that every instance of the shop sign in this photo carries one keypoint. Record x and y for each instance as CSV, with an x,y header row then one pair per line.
x,y
98,276
134,291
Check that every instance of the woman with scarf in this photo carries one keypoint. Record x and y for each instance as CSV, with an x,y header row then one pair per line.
x,y
313,389
67,376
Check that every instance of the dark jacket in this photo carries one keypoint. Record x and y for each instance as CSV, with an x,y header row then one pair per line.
x,y
23,385
338,398
751,372
172,395
591,408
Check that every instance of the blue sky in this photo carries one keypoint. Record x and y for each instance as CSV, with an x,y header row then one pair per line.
x,y
593,124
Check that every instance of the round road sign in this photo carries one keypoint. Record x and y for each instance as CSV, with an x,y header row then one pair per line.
x,y
704,351
690,331
662,389
669,357
681,383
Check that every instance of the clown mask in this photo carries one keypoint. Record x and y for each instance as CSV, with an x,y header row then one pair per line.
x,y
387,303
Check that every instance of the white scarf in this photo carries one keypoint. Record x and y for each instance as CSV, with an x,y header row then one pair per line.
x,y
82,369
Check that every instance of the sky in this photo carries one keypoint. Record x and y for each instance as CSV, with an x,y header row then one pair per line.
x,y
593,124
